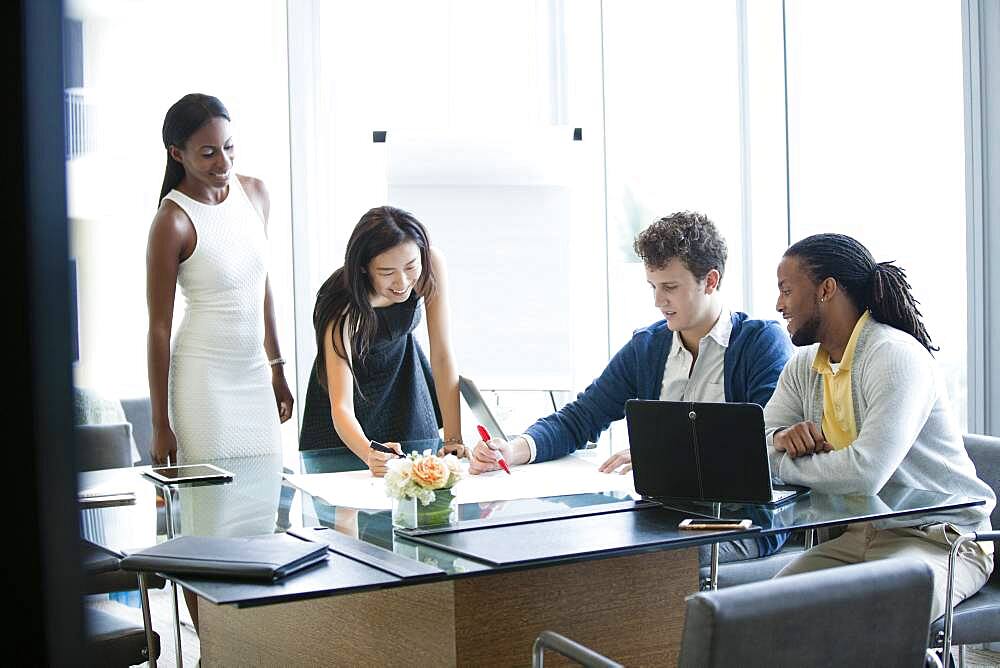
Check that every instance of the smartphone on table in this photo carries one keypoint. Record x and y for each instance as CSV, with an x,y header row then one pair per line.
x,y
711,524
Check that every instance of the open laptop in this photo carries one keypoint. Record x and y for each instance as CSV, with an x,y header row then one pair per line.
x,y
702,451
479,407
537,405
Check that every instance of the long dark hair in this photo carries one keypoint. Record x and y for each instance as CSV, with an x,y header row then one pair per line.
x,y
880,287
345,297
183,119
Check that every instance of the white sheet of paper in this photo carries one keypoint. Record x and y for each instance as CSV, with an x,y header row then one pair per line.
x,y
569,475
351,489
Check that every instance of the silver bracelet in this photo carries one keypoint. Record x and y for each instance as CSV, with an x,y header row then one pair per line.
x,y
276,361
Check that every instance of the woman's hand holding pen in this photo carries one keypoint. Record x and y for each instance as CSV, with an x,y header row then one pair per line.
x,y
377,459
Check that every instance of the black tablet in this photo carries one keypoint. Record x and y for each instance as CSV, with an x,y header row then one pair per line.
x,y
173,475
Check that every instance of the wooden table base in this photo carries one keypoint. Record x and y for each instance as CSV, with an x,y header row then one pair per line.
x,y
629,608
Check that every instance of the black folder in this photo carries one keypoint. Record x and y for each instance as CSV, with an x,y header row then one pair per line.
x,y
262,558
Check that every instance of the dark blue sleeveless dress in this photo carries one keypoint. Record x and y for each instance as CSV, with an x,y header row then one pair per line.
x,y
396,401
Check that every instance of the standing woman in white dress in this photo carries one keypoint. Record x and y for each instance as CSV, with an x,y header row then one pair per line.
x,y
221,390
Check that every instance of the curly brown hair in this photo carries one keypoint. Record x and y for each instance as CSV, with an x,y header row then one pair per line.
x,y
687,235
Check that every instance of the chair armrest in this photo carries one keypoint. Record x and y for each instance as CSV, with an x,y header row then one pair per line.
x,y
570,649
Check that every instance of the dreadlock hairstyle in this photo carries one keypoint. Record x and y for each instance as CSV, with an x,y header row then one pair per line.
x,y
880,287
345,298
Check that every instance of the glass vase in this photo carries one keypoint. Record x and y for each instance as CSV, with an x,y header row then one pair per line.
x,y
409,513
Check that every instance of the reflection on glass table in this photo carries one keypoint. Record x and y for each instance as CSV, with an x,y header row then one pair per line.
x,y
822,510
257,501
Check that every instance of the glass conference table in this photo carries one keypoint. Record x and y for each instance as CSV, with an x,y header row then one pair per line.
x,y
505,571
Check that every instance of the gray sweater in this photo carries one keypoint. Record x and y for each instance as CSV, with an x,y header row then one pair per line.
x,y
906,432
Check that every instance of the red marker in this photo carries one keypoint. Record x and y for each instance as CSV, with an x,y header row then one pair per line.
x,y
485,435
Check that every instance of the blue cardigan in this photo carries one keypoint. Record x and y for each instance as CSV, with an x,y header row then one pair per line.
x,y
757,352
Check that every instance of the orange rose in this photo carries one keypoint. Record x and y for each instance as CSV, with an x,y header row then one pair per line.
x,y
430,472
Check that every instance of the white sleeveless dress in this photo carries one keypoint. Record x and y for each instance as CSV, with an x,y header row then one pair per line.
x,y
220,399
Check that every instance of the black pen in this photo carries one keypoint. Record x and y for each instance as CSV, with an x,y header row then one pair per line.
x,y
375,445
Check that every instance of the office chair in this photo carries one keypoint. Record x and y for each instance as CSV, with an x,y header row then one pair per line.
x,y
745,571
111,640
867,614
977,618
103,446
139,413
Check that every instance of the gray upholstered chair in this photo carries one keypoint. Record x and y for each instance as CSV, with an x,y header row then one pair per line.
x,y
103,446
879,612
977,619
871,614
736,573
113,641
110,639
140,415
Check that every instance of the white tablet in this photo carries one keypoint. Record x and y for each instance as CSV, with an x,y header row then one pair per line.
x,y
174,475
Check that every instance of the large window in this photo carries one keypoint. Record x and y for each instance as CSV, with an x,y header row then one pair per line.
x,y
133,60
534,138
479,103
683,105
672,99
876,142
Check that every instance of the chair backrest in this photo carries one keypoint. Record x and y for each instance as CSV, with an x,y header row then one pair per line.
x,y
103,446
875,613
985,454
139,412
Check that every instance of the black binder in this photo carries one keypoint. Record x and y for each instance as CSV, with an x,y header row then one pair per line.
x,y
262,558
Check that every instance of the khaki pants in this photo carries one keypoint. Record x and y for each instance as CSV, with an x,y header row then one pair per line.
x,y
930,544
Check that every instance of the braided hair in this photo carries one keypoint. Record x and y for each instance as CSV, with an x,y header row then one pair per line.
x,y
880,287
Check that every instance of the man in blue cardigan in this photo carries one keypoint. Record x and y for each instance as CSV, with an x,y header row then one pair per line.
x,y
698,352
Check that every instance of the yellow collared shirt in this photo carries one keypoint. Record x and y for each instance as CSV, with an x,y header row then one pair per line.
x,y
838,401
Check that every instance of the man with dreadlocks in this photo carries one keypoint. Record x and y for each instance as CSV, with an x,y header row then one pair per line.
x,y
862,405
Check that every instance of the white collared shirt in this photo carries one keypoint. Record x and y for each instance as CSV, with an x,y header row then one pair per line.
x,y
705,381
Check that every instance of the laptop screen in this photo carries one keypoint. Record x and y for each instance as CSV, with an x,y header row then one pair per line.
x,y
699,451
479,407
